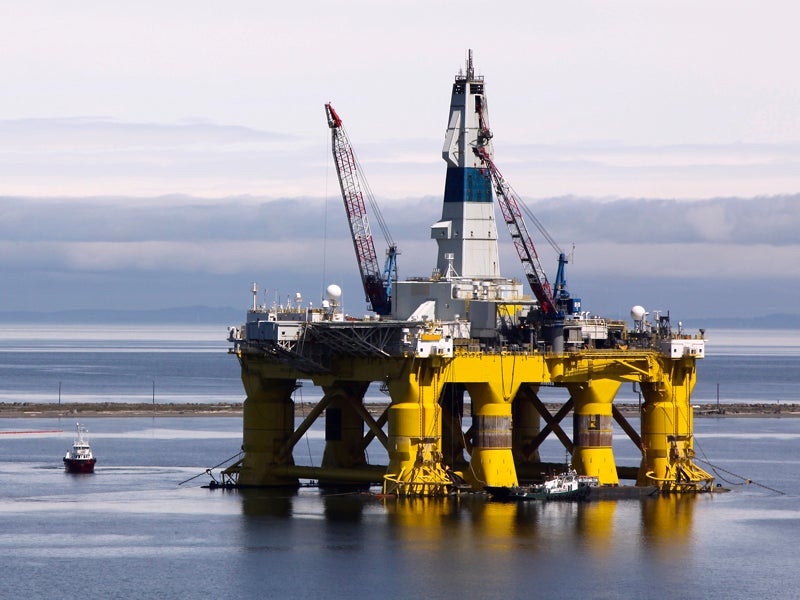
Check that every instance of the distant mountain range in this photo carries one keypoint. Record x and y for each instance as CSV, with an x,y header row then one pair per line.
x,y
774,321
233,316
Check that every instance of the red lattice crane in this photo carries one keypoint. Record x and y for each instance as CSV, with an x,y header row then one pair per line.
x,y
509,206
377,284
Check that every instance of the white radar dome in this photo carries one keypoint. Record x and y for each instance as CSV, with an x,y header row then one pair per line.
x,y
333,291
638,313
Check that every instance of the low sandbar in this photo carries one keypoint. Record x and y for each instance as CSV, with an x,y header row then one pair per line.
x,y
122,409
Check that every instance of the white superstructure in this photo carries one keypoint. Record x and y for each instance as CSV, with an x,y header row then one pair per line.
x,y
466,282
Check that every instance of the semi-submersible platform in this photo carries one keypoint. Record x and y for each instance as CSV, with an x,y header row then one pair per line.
x,y
462,354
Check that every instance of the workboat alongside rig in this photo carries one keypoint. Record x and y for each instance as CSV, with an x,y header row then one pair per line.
x,y
80,459
563,486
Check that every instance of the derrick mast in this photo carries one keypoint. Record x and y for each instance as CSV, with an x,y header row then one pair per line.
x,y
467,229
466,285
354,187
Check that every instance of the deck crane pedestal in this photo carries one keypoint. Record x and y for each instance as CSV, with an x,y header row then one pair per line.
x,y
377,284
552,313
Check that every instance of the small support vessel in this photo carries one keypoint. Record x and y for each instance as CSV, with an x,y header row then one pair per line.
x,y
564,486
80,459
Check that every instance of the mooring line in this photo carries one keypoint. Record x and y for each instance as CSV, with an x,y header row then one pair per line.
x,y
745,480
207,471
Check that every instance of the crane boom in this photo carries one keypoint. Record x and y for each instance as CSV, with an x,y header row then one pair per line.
x,y
509,206
377,284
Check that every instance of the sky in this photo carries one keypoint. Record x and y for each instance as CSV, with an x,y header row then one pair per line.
x,y
158,154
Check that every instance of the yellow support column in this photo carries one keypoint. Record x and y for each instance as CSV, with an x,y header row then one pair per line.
x,y
526,426
453,446
344,428
268,422
491,461
667,430
593,454
416,466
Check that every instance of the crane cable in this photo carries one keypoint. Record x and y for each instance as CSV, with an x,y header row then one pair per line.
x,y
546,234
362,178
375,208
325,196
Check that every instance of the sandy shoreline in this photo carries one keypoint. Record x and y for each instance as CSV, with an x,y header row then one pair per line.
x,y
119,409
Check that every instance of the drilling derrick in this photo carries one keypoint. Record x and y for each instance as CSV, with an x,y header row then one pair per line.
x,y
467,232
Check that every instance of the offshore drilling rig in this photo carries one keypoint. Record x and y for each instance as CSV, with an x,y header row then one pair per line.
x,y
465,331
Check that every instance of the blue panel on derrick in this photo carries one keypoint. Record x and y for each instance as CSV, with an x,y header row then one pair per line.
x,y
467,185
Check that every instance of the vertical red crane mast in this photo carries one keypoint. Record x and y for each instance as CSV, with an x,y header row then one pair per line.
x,y
509,206
377,284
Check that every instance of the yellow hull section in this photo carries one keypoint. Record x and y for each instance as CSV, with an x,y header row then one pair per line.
x,y
505,418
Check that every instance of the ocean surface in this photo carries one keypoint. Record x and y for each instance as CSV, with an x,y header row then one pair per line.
x,y
142,526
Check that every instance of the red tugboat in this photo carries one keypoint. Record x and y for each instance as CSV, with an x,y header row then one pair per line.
x,y
81,459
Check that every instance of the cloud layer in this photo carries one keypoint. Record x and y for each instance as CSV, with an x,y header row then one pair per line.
x,y
96,156
92,248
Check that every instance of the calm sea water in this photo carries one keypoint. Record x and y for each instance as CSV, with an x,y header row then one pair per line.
x,y
117,364
142,526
